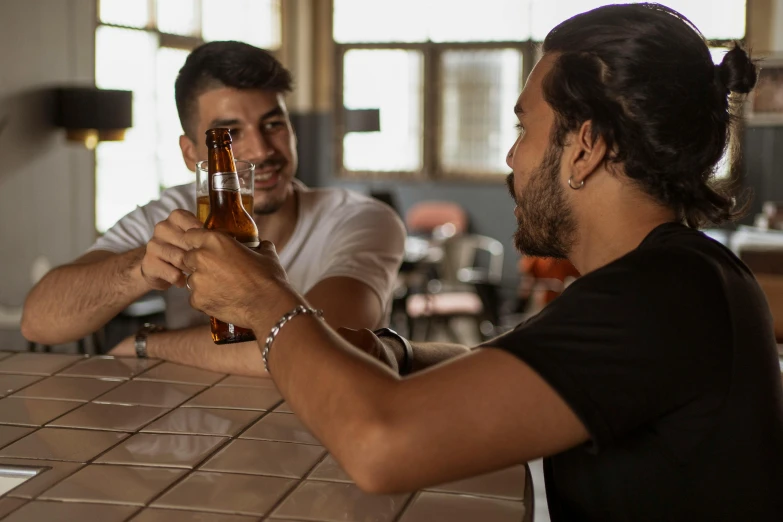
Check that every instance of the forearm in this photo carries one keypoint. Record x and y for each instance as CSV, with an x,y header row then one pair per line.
x,y
430,354
343,395
76,299
194,347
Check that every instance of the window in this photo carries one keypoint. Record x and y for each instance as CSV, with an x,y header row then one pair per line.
x,y
444,75
140,45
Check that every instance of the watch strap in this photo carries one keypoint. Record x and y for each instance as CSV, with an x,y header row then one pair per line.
x,y
140,342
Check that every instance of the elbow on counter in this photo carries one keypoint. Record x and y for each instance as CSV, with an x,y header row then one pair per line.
x,y
378,464
34,328
30,327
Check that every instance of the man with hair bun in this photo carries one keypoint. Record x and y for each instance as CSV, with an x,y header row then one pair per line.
x,y
651,385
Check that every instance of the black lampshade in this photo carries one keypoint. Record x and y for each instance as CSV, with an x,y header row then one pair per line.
x,y
105,112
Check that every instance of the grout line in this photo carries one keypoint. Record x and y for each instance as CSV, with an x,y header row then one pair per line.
x,y
219,447
413,496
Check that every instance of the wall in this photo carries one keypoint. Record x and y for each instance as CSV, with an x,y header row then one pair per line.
x,y
763,145
46,185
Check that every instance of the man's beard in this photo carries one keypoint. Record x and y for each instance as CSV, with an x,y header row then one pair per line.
x,y
546,226
268,207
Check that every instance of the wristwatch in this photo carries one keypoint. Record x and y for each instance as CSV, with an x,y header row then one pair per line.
x,y
141,338
406,365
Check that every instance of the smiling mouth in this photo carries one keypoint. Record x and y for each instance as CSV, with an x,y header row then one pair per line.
x,y
267,174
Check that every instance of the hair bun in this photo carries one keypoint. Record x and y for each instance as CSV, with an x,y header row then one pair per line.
x,y
737,72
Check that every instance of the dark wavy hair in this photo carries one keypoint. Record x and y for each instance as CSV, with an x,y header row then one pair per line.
x,y
225,64
643,75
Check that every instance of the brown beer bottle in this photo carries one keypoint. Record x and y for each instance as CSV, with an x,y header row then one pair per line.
x,y
227,214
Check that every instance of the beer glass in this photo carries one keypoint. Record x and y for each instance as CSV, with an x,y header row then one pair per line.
x,y
246,172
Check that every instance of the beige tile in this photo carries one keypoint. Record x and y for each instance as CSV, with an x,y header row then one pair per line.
x,y
330,470
68,388
262,457
9,434
444,507
112,367
149,393
234,397
283,408
32,412
37,363
11,383
8,505
249,382
112,417
62,444
52,473
170,372
70,512
6,355
114,484
204,421
227,493
335,501
158,449
282,427
508,483
177,515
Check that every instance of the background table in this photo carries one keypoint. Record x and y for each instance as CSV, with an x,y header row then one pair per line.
x,y
126,439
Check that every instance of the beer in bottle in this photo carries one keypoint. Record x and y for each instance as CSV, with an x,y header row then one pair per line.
x,y
227,214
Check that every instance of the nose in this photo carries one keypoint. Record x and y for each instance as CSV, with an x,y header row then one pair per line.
x,y
255,147
510,156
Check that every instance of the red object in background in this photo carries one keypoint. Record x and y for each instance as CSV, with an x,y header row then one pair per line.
x,y
548,272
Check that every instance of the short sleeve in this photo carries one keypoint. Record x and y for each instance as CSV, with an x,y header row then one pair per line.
x,y
631,342
367,244
136,228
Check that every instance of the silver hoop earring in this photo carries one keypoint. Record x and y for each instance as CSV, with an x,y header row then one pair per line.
x,y
581,184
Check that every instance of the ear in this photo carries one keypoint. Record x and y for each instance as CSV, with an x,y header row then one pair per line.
x,y
188,149
586,154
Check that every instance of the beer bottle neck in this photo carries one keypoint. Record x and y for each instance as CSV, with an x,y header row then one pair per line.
x,y
221,159
223,178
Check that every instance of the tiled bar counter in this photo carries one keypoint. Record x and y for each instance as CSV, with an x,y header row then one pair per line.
x,y
116,439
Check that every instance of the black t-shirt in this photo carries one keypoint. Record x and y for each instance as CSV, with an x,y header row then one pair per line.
x,y
668,357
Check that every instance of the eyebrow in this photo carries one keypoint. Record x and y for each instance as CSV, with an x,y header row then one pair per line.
x,y
277,111
223,123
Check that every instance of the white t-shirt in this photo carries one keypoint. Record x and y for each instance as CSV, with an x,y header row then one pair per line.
x,y
338,233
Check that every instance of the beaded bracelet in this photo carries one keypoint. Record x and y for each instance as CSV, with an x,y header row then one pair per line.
x,y
279,325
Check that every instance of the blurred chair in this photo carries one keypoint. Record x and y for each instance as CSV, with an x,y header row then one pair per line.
x,y
428,217
467,286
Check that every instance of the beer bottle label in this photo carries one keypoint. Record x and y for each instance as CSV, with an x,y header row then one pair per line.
x,y
228,181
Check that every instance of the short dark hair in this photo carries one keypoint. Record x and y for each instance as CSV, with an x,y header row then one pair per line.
x,y
225,64
643,75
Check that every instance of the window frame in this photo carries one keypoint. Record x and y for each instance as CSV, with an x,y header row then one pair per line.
x,y
432,106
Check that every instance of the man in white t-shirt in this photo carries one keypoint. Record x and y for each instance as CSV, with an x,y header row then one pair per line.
x,y
341,249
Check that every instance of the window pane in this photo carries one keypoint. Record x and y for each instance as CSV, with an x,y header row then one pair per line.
x,y
723,169
719,19
125,171
397,21
131,13
480,89
499,20
172,170
178,17
389,80
256,22
422,20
